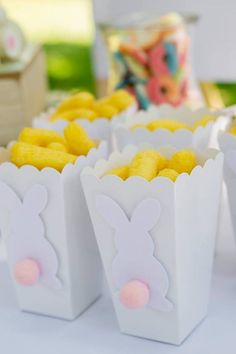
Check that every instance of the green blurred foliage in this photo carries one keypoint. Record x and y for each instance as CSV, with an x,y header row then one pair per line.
x,y
228,92
69,66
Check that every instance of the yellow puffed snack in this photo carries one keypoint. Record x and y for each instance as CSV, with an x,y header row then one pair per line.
x,y
77,114
78,140
105,110
121,171
143,167
84,99
232,130
169,124
57,147
136,126
39,157
40,137
103,100
121,99
147,164
159,159
203,121
183,161
79,100
168,173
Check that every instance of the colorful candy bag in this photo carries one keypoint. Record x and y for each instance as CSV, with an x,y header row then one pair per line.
x,y
151,60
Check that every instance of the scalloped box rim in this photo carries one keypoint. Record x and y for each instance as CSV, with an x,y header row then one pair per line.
x,y
61,123
207,157
164,110
180,138
79,163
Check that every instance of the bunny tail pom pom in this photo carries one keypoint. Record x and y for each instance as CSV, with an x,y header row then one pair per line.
x,y
134,295
27,272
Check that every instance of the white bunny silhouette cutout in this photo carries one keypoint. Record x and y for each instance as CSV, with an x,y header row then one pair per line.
x,y
30,254
140,277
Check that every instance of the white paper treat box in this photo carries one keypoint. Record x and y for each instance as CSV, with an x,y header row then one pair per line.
x,y
51,248
200,138
157,241
100,128
227,144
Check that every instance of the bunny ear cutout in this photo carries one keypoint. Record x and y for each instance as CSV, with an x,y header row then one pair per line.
x,y
230,158
36,198
8,197
146,214
111,211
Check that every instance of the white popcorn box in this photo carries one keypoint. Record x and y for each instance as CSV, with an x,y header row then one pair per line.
x,y
156,240
51,249
125,133
100,128
227,144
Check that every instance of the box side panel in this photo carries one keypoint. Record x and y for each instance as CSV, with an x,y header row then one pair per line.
x,y
147,322
84,258
230,180
40,298
197,207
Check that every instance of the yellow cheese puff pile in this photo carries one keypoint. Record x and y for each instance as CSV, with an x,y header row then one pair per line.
x,y
84,105
45,148
147,164
183,161
168,173
77,101
40,137
173,125
79,113
121,171
39,157
78,140
169,124
121,99
58,147
105,110
150,164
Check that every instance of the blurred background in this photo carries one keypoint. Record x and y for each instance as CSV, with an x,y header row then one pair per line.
x,y
67,31
65,28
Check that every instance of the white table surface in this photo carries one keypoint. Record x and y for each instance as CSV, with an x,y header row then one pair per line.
x,y
96,331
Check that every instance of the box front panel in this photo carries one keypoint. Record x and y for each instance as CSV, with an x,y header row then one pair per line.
x,y
42,238
146,254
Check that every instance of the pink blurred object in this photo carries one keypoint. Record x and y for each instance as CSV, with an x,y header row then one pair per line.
x,y
27,272
134,295
163,89
157,62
